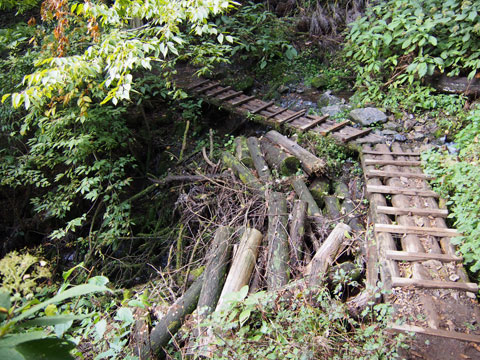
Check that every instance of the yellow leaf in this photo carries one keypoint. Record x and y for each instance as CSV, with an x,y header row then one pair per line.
x,y
51,310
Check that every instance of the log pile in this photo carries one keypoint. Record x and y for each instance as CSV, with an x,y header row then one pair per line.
x,y
309,233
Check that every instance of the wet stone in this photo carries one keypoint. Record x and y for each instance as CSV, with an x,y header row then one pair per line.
x,y
368,116
399,138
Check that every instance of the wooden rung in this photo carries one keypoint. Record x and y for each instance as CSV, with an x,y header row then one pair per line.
x,y
390,210
198,84
391,174
413,256
393,190
230,96
393,153
360,133
292,117
418,230
243,101
208,88
334,128
278,112
392,162
315,122
263,107
434,284
435,332
219,91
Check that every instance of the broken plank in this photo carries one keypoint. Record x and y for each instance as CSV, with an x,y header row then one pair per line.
x,y
413,256
219,91
435,332
243,101
355,136
390,174
403,229
263,107
335,127
278,112
392,162
391,210
198,84
434,284
212,86
393,153
292,117
315,122
230,96
394,190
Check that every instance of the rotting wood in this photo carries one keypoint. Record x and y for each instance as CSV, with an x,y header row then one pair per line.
x,y
319,188
241,151
414,256
171,322
392,210
291,117
283,162
310,163
304,194
314,123
393,153
358,134
209,87
243,101
335,127
278,112
219,91
277,240
347,206
392,162
435,332
393,190
230,96
390,174
434,284
324,257
418,230
332,207
297,232
241,171
201,83
243,264
258,160
263,107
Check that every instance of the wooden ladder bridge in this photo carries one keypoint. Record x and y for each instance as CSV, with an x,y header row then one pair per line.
x,y
411,249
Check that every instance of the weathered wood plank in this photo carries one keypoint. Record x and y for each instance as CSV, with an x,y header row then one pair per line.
x,y
315,122
292,117
392,162
434,284
243,101
411,256
401,229
278,112
219,91
334,128
390,174
435,332
391,210
393,153
395,190
230,96
355,136
191,87
212,86
263,107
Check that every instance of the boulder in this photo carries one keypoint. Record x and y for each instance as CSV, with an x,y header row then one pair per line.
x,y
333,110
368,116
327,99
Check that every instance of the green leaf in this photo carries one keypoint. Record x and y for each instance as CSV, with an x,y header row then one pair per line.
x,y
422,69
52,320
51,310
12,340
387,38
124,315
244,316
46,349
432,40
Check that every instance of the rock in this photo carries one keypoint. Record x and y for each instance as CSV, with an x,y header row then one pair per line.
x,y
409,124
368,116
389,132
282,89
245,83
418,136
320,82
327,99
399,138
391,126
334,109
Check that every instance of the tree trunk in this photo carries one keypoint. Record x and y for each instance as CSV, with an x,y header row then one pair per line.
x,y
243,264
279,160
310,163
332,208
241,151
325,256
319,188
297,232
304,194
341,190
242,172
258,159
277,239
171,322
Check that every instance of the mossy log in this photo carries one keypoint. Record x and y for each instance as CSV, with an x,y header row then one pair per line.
x,y
305,195
258,160
215,271
310,163
332,207
297,232
324,257
241,151
241,171
319,188
277,240
348,207
171,322
284,163
243,263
